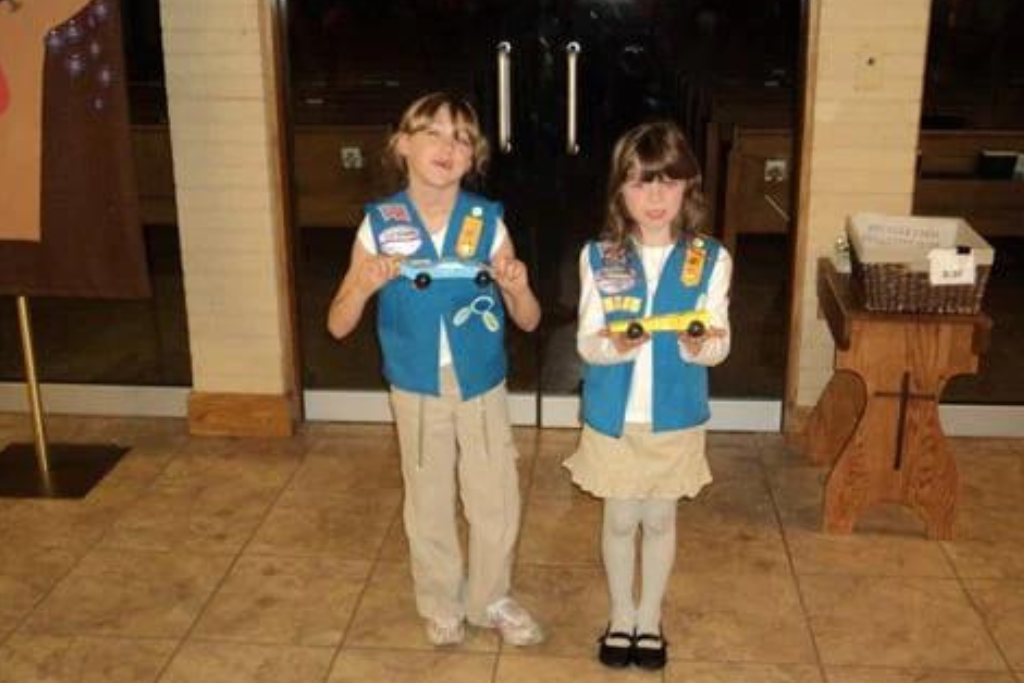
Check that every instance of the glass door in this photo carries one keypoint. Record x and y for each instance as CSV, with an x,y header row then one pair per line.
x,y
555,83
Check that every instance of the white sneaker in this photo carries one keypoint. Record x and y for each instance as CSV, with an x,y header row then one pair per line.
x,y
514,623
447,631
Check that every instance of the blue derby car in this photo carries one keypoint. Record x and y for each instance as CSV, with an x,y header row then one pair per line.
x,y
424,271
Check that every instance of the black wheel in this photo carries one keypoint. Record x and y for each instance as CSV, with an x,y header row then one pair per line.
x,y
695,329
422,280
635,331
482,279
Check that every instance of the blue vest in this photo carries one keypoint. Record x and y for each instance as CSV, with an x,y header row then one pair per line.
x,y
680,389
409,319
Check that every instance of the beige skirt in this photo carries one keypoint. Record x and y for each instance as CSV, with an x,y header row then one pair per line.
x,y
641,464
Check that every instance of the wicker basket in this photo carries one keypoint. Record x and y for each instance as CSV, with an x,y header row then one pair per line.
x,y
890,258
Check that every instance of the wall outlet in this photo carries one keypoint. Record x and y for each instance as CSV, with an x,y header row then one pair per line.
x,y
775,170
351,158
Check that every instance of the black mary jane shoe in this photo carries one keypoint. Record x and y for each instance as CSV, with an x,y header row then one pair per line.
x,y
613,654
651,657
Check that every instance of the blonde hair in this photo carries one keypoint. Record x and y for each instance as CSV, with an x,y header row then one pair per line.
x,y
652,151
420,114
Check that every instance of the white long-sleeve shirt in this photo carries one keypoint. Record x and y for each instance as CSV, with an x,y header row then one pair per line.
x,y
598,350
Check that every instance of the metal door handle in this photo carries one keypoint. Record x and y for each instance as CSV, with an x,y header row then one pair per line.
x,y
504,97
572,53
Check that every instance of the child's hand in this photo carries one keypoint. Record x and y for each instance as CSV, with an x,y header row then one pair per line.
x,y
622,343
694,345
376,272
510,274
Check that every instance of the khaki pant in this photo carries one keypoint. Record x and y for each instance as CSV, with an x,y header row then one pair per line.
x,y
441,438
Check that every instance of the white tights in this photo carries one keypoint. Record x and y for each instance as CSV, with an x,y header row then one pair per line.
x,y
621,519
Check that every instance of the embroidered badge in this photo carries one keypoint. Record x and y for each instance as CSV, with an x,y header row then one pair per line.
x,y
615,279
480,306
394,212
693,264
615,304
400,240
469,234
613,254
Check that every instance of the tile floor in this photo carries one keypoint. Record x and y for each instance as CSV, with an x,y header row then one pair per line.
x,y
238,561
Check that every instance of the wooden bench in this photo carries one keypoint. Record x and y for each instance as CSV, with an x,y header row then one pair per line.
x,y
327,193
758,196
948,182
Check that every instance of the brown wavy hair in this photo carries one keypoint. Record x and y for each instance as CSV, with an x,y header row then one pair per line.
x,y
421,113
654,150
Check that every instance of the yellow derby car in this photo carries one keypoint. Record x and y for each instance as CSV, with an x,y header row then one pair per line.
x,y
693,323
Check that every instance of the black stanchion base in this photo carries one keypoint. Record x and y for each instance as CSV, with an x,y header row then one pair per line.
x,y
74,469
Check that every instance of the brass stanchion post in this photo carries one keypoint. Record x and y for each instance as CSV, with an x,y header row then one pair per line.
x,y
32,382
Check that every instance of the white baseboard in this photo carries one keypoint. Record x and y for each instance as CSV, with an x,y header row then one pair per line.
x,y
98,399
372,406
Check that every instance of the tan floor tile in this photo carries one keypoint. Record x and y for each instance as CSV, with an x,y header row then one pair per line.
x,y
729,550
571,604
201,662
925,623
730,527
259,463
387,616
868,554
518,668
552,480
134,473
311,432
1002,607
799,495
561,531
730,503
216,516
148,433
349,526
398,666
333,468
130,593
777,454
985,476
71,525
257,454
76,659
987,559
289,601
962,446
716,672
733,456
877,675
990,521
737,618
26,575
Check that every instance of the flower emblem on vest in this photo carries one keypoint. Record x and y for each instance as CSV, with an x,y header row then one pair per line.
x,y
481,306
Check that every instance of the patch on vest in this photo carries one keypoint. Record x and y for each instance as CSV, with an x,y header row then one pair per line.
x,y
617,304
693,264
469,233
401,240
394,212
482,307
615,279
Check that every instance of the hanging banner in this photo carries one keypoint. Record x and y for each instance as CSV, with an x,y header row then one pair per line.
x,y
69,222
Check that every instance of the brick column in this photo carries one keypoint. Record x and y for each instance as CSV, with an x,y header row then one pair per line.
x,y
222,93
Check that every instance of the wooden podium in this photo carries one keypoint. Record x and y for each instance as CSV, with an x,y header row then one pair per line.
x,y
877,421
